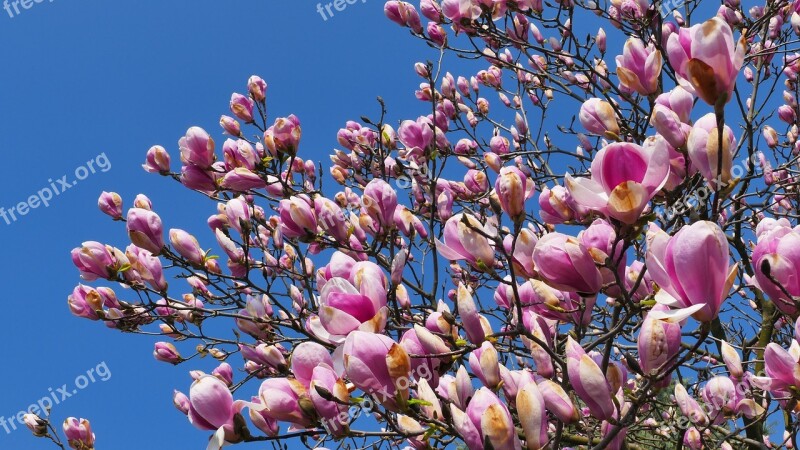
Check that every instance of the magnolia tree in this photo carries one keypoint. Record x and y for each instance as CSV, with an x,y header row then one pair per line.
x,y
478,281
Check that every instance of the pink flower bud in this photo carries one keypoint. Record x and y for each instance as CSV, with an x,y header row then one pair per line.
x,y
703,148
197,148
195,178
79,434
770,136
230,125
242,179
639,67
379,202
465,239
787,114
565,264
110,203
166,352
35,424
181,401
211,405
599,118
187,246
297,218
94,260
484,364
145,230
513,188
378,366
283,136
242,107
157,160
589,382
257,88
224,372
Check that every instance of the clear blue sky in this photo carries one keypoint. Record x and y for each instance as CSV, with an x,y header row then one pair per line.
x,y
81,78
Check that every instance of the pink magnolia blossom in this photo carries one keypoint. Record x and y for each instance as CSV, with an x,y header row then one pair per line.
x,y
703,147
145,230
377,365
486,418
624,178
197,148
706,59
564,263
79,434
465,238
776,259
589,382
639,67
692,267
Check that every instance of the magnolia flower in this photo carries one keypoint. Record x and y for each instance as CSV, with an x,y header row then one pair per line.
x,y
589,382
465,238
486,418
706,59
565,264
639,67
378,366
691,267
624,178
599,118
703,147
776,259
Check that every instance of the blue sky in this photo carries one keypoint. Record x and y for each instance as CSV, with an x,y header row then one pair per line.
x,y
80,79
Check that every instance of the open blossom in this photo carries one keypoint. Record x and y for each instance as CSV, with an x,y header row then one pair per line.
x,y
692,267
625,177
776,259
343,308
706,59
639,67
461,10
783,371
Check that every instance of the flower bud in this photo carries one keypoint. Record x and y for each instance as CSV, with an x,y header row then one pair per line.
x,y
110,203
